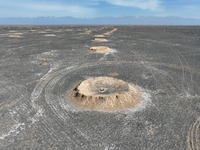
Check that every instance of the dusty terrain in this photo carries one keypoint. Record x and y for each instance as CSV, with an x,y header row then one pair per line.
x,y
40,65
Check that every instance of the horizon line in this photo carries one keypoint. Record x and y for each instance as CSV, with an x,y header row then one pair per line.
x,y
103,17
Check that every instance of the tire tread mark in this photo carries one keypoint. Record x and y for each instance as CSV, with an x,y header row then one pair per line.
x,y
193,136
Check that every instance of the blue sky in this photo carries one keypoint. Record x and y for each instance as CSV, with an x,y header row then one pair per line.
x,y
99,8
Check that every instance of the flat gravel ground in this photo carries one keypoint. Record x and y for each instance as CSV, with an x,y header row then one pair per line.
x,y
41,65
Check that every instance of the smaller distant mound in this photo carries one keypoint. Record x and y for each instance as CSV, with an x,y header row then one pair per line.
x,y
100,49
86,32
12,31
99,36
59,30
113,30
99,40
109,32
49,35
17,33
105,94
32,30
113,74
14,36
42,32
43,63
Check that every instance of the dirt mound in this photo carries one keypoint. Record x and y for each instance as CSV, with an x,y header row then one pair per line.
x,y
99,36
14,36
100,49
100,40
86,32
42,32
105,94
113,74
17,33
49,35
109,32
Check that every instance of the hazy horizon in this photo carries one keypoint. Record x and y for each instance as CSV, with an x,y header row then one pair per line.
x,y
186,11
127,20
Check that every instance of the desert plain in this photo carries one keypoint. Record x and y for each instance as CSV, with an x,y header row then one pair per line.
x,y
41,65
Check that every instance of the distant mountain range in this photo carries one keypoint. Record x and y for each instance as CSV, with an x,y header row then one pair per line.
x,y
129,20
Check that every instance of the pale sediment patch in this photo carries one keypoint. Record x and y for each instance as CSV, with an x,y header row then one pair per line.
x,y
105,94
13,130
99,40
145,101
100,49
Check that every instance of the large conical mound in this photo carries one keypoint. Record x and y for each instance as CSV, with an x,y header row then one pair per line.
x,y
105,94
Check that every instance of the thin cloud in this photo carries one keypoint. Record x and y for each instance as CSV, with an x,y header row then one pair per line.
x,y
142,4
53,8
76,11
189,11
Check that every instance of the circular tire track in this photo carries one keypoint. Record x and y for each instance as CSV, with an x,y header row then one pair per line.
x,y
161,89
56,84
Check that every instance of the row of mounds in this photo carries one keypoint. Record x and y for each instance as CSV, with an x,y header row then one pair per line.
x,y
100,38
105,94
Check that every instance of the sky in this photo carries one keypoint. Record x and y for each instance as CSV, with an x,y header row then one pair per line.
x,y
99,8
